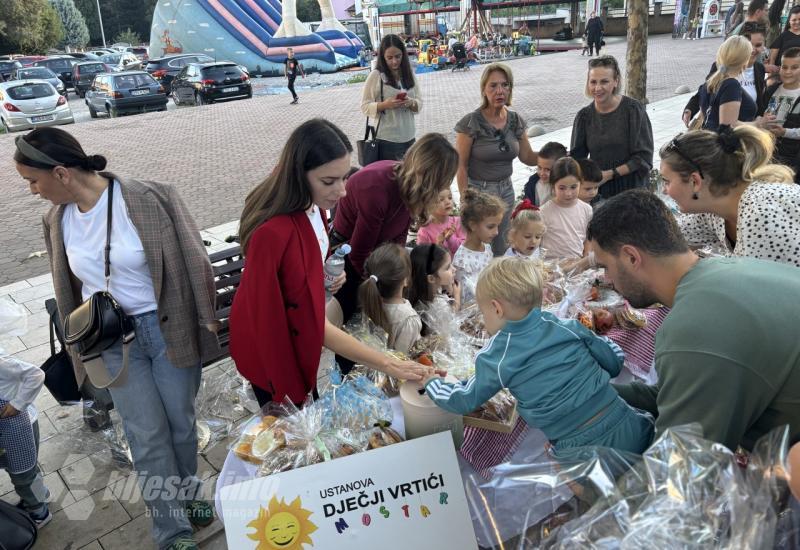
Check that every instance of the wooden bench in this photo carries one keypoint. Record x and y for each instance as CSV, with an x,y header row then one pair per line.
x,y
227,265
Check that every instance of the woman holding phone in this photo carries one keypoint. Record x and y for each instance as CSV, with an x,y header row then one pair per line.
x,y
392,98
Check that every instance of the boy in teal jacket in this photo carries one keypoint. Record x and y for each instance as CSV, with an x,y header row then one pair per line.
x,y
558,370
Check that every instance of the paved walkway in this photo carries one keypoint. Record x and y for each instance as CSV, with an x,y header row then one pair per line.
x,y
215,154
96,503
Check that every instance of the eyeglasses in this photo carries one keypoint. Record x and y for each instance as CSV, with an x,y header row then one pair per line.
x,y
674,146
501,137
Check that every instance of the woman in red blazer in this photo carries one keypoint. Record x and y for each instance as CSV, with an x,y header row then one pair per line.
x,y
277,322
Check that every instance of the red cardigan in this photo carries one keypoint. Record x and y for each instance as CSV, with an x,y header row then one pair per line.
x,y
277,320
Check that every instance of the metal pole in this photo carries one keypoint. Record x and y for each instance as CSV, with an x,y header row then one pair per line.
x,y
100,17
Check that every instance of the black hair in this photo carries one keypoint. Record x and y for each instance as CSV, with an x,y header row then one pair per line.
x,y
756,5
552,150
62,147
406,74
793,11
752,27
426,259
590,170
639,218
791,52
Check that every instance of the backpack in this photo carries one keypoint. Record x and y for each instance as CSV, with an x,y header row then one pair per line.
x,y
17,529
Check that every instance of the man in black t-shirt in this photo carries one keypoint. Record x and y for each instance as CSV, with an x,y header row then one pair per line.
x,y
291,68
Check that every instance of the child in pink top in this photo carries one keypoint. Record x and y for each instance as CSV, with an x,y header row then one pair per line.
x,y
443,229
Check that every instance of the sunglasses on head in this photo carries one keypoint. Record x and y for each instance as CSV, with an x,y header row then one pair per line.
x,y
501,137
675,146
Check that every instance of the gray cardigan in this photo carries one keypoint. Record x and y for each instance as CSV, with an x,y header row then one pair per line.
x,y
179,266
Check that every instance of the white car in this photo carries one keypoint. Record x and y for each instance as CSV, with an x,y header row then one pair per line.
x,y
27,104
123,61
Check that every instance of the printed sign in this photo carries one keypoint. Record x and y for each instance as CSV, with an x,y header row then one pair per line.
x,y
408,495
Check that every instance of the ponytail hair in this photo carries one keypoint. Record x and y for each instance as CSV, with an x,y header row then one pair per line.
x,y
726,160
50,147
387,269
426,259
732,56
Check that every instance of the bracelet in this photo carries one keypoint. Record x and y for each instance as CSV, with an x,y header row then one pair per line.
x,y
615,173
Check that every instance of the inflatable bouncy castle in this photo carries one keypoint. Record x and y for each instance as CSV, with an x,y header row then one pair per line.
x,y
253,33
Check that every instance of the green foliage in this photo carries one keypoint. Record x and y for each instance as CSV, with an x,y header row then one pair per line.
x,y
29,26
76,34
357,78
128,37
308,10
118,16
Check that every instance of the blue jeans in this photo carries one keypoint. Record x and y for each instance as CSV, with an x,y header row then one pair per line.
x,y
156,404
620,427
30,485
504,191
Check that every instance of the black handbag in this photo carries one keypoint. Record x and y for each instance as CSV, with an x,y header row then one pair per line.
x,y
17,529
369,150
99,323
59,376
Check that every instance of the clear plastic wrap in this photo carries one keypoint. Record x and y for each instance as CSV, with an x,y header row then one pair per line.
x,y
685,492
13,319
223,399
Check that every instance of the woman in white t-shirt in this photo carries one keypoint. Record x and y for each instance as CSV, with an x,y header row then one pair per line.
x,y
162,278
565,216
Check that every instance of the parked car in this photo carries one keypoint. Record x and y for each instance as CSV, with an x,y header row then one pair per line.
x,y
127,92
122,61
202,83
7,68
40,73
25,105
84,56
28,60
61,65
100,52
166,68
83,74
140,52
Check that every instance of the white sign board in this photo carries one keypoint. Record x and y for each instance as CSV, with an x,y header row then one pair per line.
x,y
408,495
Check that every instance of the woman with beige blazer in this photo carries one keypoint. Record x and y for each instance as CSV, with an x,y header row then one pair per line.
x,y
162,278
392,98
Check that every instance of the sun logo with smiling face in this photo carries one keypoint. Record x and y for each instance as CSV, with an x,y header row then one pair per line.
x,y
282,526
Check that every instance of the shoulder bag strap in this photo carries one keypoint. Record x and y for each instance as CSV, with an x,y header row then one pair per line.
x,y
108,233
374,129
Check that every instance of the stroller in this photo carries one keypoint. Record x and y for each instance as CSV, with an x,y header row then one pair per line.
x,y
460,54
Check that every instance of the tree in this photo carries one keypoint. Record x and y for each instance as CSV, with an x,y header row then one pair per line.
x,y
28,26
88,9
76,34
128,37
636,58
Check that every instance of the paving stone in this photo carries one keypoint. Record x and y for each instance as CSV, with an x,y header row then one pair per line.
x,y
13,287
248,134
46,427
94,545
36,336
42,292
66,418
82,522
217,542
63,449
36,306
35,355
127,492
93,473
45,400
135,534
11,344
59,494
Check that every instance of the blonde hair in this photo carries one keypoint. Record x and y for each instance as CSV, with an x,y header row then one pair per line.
x,y
522,217
487,72
387,269
514,280
732,56
476,206
750,161
427,169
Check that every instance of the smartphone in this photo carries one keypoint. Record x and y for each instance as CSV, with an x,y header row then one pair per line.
x,y
401,95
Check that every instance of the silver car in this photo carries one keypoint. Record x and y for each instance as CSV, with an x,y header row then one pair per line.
x,y
27,104
122,62
40,73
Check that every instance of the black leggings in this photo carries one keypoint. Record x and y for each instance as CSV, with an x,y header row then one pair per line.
x,y
291,86
594,45
263,397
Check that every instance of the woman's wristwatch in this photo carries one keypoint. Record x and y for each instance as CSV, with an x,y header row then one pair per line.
x,y
614,173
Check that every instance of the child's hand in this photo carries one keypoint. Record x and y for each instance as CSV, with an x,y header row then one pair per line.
x,y
779,131
433,374
8,411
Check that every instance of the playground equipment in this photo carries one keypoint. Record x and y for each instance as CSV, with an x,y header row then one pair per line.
x,y
253,33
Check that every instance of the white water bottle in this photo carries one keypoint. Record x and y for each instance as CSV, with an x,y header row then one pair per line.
x,y
334,266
